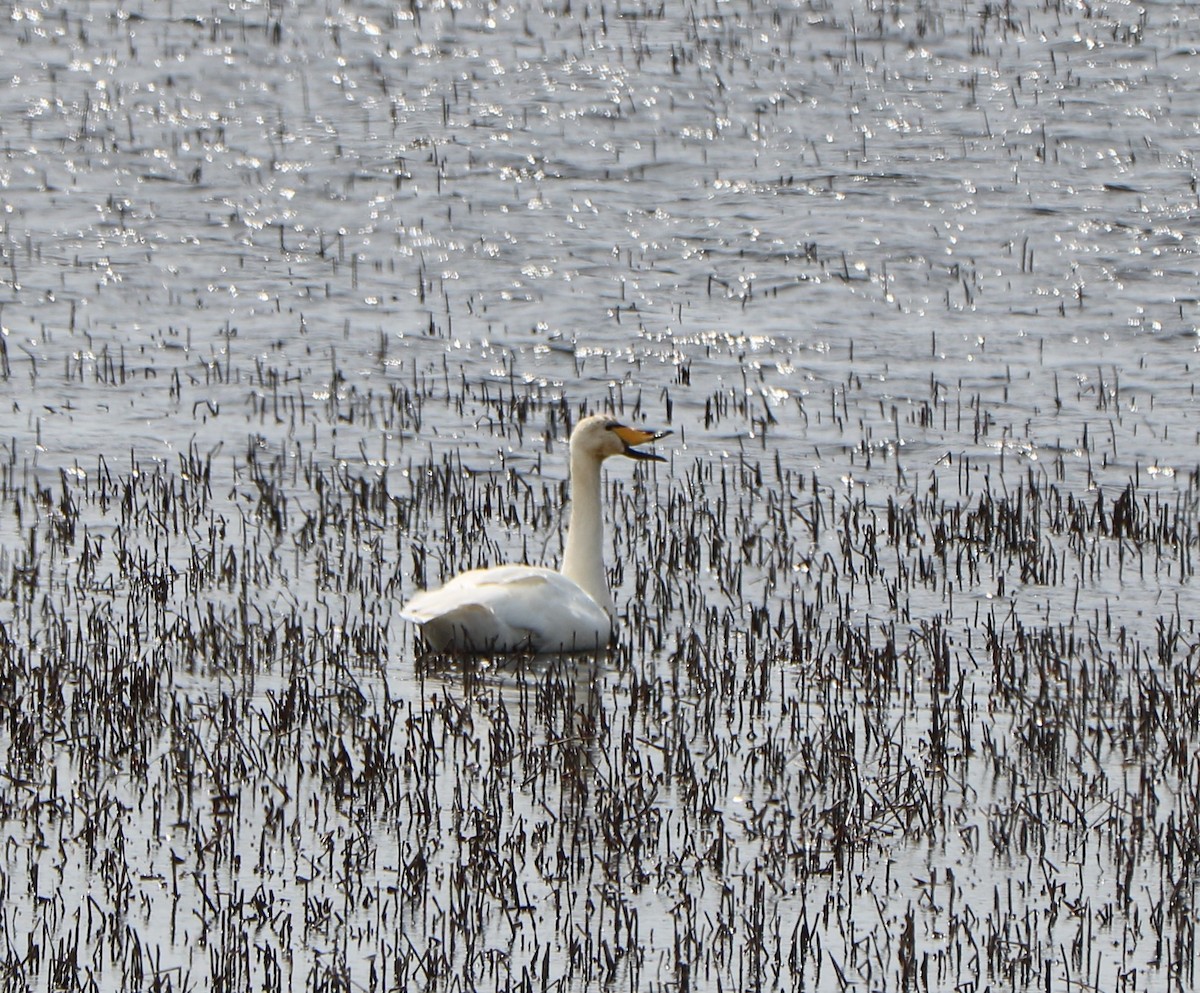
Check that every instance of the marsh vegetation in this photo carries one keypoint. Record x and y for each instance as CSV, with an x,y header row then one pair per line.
x,y
299,307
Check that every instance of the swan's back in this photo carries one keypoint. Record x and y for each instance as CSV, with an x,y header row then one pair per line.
x,y
510,608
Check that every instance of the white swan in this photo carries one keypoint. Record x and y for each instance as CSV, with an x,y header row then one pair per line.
x,y
512,608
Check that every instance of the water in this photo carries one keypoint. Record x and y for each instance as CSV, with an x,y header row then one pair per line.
x,y
297,303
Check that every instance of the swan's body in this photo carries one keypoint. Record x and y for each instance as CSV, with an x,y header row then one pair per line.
x,y
513,608
510,608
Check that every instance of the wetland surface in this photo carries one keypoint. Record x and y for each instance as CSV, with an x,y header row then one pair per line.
x,y
299,304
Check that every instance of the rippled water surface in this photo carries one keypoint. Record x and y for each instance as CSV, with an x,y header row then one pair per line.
x,y
299,302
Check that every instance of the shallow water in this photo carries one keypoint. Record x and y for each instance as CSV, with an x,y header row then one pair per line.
x,y
298,303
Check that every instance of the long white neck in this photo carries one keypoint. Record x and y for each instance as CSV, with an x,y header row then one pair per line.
x,y
583,560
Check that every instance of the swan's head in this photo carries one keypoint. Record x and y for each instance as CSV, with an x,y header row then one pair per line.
x,y
601,436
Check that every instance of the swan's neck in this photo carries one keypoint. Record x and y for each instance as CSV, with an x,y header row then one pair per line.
x,y
583,560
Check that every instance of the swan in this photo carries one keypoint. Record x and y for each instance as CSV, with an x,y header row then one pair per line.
x,y
513,608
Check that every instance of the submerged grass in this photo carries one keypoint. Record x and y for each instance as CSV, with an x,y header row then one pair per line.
x,y
898,735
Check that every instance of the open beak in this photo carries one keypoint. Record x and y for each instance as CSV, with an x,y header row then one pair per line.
x,y
635,436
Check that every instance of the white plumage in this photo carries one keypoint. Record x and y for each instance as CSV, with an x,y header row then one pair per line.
x,y
512,608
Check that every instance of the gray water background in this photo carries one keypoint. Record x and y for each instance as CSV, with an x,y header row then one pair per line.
x,y
863,245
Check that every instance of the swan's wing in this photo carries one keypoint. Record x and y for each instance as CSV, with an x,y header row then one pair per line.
x,y
506,584
509,608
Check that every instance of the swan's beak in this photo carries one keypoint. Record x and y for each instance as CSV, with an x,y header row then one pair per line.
x,y
635,436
